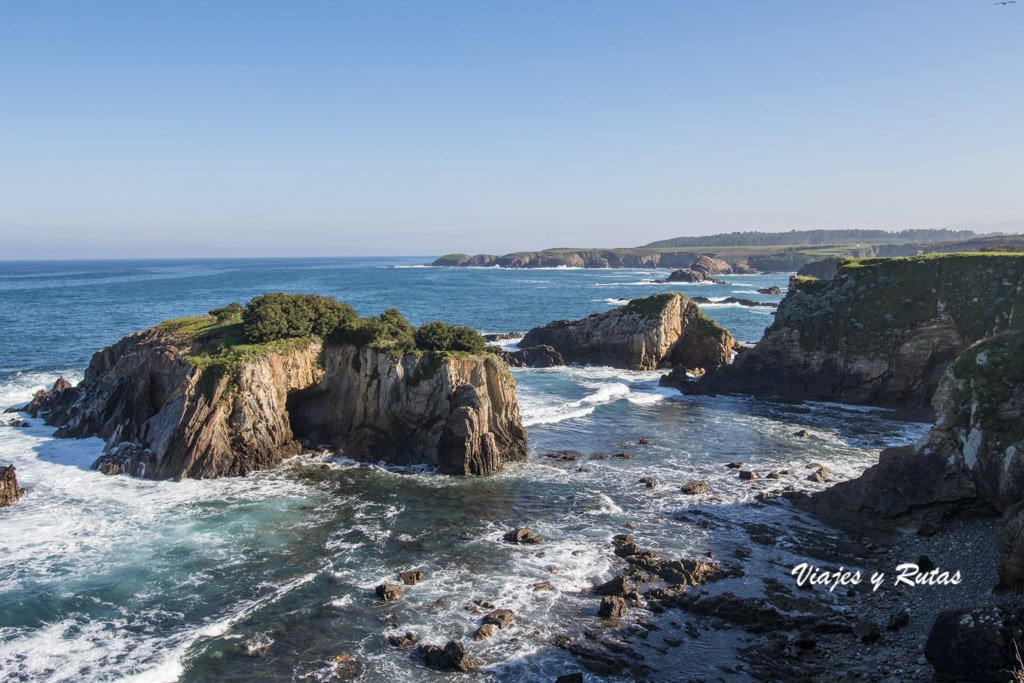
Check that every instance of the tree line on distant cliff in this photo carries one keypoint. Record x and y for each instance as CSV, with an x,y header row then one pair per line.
x,y
805,237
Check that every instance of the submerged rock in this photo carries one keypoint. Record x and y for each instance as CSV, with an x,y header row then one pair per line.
x,y
162,417
9,489
662,330
452,657
695,487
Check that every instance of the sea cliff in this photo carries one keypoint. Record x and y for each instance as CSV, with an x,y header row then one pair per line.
x,y
881,332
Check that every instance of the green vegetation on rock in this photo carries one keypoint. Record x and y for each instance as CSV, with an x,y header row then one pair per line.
x,y
871,300
648,306
989,377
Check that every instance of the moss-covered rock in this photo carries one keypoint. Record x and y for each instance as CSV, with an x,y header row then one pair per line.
x,y
882,331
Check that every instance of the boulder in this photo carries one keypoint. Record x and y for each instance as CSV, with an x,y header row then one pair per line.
x,y
411,578
612,607
770,290
695,487
749,475
663,330
867,631
452,657
485,631
502,618
617,586
974,644
522,536
9,489
389,591
819,475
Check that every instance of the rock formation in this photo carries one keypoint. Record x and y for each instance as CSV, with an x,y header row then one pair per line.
x,y
823,270
972,460
9,489
162,417
540,356
692,276
662,330
710,266
881,332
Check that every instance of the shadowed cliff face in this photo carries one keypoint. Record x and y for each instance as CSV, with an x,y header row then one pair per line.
x,y
881,332
164,418
663,330
972,461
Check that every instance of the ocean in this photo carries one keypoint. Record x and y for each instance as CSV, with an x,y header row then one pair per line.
x,y
271,576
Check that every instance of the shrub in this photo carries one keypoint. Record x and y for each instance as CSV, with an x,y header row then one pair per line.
x,y
277,315
389,331
227,313
440,337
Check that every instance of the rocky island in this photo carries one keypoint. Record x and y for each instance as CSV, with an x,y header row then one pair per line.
x,y
238,390
662,330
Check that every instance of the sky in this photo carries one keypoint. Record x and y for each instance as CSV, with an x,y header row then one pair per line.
x,y
250,128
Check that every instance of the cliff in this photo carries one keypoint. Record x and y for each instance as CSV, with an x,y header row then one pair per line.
x,y
662,330
881,332
191,399
971,462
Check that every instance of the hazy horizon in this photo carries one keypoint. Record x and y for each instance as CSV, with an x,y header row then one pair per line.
x,y
257,129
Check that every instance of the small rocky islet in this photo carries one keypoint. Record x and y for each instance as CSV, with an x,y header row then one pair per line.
x,y
939,335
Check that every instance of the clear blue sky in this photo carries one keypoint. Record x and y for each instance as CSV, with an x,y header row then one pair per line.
x,y
424,127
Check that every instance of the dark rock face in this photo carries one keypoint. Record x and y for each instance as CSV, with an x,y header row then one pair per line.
x,y
540,356
502,618
882,332
452,657
658,331
750,303
823,269
163,418
389,591
411,578
9,489
770,290
974,644
612,607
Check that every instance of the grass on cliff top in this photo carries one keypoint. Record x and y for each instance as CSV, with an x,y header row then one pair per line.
x,y
219,342
965,256
649,306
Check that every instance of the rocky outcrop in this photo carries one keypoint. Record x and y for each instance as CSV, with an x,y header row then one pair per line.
x,y
691,276
749,303
975,644
823,270
663,330
770,290
881,332
9,489
971,462
540,356
641,257
162,417
710,266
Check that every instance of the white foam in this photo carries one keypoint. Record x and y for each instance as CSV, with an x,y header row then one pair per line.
x,y
550,414
22,386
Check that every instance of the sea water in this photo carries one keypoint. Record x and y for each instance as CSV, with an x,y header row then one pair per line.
x,y
114,578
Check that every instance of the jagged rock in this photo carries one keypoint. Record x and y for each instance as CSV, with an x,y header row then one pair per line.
x,y
9,489
452,657
691,276
485,631
881,332
542,586
403,641
867,631
389,591
346,668
735,465
770,290
662,330
749,475
502,336
502,618
522,536
820,474
538,356
623,455
710,266
648,482
803,433
163,418
612,607
695,487
617,586
411,578
974,644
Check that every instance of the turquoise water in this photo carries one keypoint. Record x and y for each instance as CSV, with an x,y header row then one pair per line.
x,y
112,578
